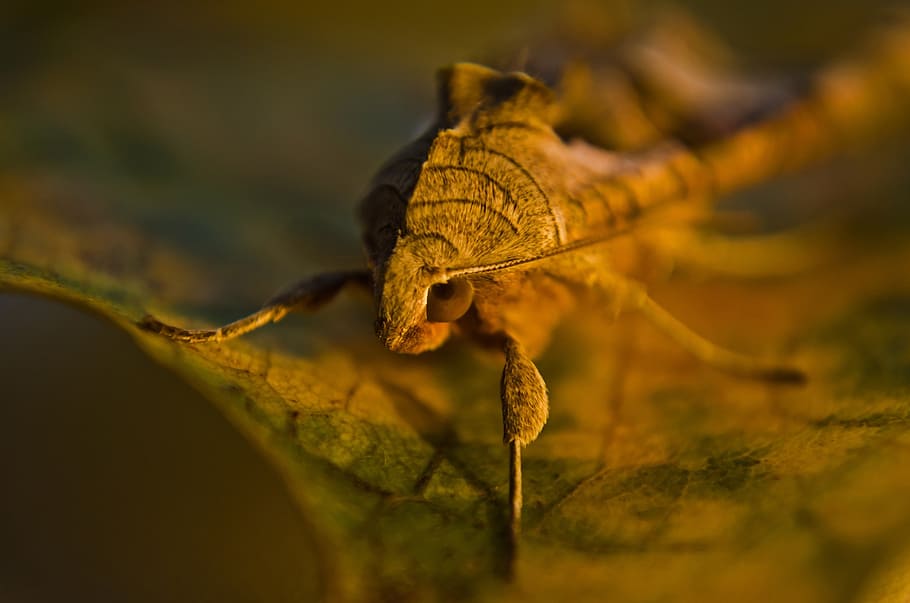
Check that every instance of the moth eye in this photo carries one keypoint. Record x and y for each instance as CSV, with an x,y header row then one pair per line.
x,y
449,301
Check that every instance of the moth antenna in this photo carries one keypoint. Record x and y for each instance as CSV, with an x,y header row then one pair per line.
x,y
307,295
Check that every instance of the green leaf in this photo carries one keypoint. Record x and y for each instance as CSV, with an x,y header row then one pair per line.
x,y
655,478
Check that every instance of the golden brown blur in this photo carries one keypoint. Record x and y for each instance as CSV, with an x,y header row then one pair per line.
x,y
190,161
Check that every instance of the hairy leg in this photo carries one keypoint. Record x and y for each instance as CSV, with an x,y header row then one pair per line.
x,y
306,295
525,408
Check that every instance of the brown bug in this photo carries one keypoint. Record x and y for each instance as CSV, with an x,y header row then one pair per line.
x,y
493,222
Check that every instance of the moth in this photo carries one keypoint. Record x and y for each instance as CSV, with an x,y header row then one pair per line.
x,y
507,209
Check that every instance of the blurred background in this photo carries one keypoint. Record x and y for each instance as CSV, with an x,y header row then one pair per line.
x,y
240,135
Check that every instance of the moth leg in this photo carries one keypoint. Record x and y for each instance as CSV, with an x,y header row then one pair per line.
x,y
308,294
525,409
711,353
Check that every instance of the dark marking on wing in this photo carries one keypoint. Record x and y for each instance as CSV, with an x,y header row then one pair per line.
x,y
485,207
437,236
469,170
502,89
521,169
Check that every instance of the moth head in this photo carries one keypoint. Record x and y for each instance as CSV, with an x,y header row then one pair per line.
x,y
416,302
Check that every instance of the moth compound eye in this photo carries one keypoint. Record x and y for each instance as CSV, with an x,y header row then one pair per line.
x,y
449,301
